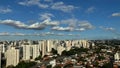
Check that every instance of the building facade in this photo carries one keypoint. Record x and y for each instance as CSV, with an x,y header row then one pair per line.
x,y
12,56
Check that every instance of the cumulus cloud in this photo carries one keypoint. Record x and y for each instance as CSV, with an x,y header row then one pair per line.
x,y
34,26
45,16
21,25
62,7
80,29
49,22
60,34
90,9
49,33
58,28
85,25
116,14
4,10
13,23
74,24
107,28
47,19
33,2
71,22
4,33
70,35
48,0
110,29
77,24
36,34
55,6
18,34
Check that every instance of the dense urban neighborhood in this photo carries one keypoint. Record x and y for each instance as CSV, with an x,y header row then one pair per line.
x,y
59,33
60,54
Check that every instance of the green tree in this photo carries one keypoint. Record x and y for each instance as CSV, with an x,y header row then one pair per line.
x,y
68,66
101,57
107,65
10,66
64,53
54,51
24,64
49,66
38,58
57,66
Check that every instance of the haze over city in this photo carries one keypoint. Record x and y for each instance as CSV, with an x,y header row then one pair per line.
x,y
59,19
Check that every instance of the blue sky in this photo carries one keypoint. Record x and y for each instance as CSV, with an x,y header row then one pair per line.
x,y
65,19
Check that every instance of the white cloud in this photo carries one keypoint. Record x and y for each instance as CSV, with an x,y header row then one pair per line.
x,y
4,33
33,2
61,6
110,29
71,22
49,33
4,10
37,26
90,9
34,26
17,34
48,0
36,34
74,24
51,23
70,35
115,14
107,28
56,6
60,34
77,24
58,28
20,25
85,25
47,19
45,16
13,23
80,29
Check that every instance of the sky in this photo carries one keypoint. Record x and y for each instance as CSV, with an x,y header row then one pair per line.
x,y
59,19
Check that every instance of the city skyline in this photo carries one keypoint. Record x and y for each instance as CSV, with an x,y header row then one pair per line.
x,y
59,19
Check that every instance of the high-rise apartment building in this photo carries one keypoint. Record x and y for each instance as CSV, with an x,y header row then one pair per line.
x,y
35,51
43,47
49,45
117,56
84,43
2,48
60,49
0,58
26,52
12,56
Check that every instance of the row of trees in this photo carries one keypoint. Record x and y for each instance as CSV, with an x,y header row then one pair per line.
x,y
74,51
23,64
107,42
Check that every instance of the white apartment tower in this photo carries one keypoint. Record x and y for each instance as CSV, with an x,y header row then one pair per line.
x,y
0,58
68,45
35,51
84,43
49,45
43,47
12,56
26,52
60,49
2,48
117,56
